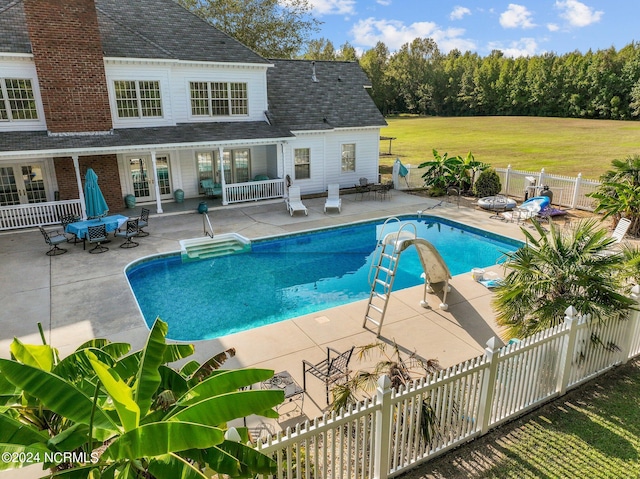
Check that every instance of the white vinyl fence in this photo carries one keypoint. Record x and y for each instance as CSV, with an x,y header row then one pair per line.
x,y
568,192
383,437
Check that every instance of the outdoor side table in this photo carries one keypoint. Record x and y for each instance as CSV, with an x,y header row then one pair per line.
x,y
285,382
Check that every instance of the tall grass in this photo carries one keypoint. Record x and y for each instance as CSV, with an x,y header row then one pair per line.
x,y
561,146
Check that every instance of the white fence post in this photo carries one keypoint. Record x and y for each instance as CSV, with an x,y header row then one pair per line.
x,y
507,174
488,384
576,191
540,180
568,348
381,451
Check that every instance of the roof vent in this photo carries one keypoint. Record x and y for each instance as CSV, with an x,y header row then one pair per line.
x,y
314,78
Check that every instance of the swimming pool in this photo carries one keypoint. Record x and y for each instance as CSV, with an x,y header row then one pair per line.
x,y
289,276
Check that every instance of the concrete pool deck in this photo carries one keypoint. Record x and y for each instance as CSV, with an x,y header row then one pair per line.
x,y
78,296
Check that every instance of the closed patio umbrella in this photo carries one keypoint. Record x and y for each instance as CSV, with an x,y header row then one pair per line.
x,y
95,202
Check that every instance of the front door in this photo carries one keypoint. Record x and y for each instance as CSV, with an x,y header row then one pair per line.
x,y
141,173
22,184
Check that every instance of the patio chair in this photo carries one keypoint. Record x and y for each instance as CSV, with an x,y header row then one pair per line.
x,y
384,190
143,222
621,229
53,239
294,202
330,370
210,188
97,235
66,220
363,187
131,229
333,198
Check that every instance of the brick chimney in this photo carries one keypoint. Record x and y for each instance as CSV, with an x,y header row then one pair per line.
x,y
67,51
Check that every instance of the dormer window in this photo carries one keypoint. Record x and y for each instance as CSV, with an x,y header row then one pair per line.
x,y
16,100
138,99
218,99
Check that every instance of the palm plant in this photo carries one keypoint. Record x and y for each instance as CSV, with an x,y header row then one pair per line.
x,y
555,271
619,193
400,370
130,416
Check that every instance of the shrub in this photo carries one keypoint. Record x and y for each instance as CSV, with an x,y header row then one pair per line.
x,y
487,184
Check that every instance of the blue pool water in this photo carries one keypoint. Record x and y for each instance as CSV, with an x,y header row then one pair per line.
x,y
286,277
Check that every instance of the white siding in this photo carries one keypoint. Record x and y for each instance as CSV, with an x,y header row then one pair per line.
x,y
326,150
174,81
23,68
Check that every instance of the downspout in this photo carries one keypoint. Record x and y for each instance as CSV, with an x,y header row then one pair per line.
x,y
83,205
156,186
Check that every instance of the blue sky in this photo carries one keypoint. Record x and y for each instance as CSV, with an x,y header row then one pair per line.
x,y
519,28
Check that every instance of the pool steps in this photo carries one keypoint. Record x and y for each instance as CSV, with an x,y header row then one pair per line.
x,y
202,248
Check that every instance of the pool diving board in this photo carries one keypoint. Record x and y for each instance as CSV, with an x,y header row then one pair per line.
x,y
203,248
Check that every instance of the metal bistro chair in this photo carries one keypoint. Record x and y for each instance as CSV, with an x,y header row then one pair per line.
x,y
131,229
66,220
97,235
53,239
143,222
330,370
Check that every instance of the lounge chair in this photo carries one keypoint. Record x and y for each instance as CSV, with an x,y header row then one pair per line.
x,y
621,229
333,198
294,202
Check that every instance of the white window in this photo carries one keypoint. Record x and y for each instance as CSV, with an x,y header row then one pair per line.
x,y
218,99
348,157
16,100
138,99
302,163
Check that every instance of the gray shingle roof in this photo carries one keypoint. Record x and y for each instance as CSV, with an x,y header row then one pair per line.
x,y
142,138
337,100
140,29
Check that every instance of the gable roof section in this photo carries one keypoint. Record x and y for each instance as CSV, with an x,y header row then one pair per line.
x,y
337,100
158,29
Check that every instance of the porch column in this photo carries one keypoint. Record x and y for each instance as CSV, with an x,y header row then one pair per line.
x,y
156,186
76,167
222,182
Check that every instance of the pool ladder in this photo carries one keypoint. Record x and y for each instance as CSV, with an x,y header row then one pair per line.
x,y
383,270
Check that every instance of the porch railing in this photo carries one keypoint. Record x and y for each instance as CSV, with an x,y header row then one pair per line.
x,y
254,190
37,214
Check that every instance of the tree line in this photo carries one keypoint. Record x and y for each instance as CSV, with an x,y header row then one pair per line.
x,y
419,78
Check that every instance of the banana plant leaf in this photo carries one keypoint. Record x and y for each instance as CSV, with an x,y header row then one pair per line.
x,y
172,466
148,378
36,355
162,438
224,382
77,364
19,433
220,409
24,455
172,381
251,459
56,394
119,392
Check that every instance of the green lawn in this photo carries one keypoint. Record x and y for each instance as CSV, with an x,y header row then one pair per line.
x,y
592,432
561,146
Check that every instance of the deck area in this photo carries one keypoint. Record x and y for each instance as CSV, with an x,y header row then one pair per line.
x,y
78,296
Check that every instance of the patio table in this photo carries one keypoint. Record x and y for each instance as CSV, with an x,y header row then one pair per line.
x,y
80,228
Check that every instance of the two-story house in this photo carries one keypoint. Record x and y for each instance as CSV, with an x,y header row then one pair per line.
x,y
155,99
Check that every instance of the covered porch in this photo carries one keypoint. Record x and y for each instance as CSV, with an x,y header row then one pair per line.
x,y
43,178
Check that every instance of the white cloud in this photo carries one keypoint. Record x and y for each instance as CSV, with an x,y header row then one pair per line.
x,y
384,3
459,12
525,47
394,34
577,13
333,7
516,16
552,27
